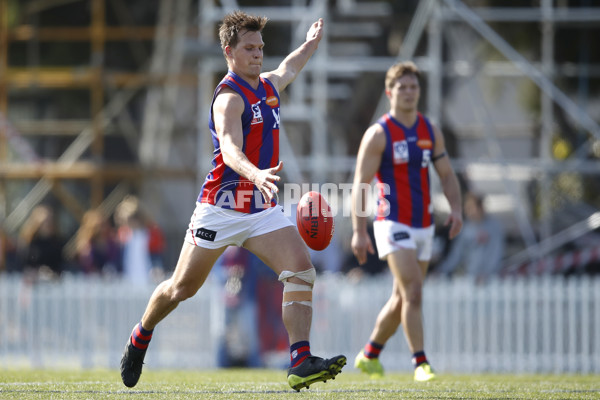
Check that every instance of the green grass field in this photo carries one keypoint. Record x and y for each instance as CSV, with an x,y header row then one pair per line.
x,y
271,384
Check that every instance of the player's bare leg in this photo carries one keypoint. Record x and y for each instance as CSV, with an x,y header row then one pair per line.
x,y
407,273
190,274
389,318
386,325
410,275
284,250
193,267
285,253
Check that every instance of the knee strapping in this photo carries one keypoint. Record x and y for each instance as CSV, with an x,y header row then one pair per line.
x,y
296,292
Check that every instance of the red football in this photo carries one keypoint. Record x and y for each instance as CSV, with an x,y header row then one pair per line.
x,y
315,221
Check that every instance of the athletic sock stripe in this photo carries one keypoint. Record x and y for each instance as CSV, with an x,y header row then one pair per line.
x,y
144,335
376,345
140,341
141,346
303,354
303,349
372,350
419,358
298,345
140,337
299,351
299,361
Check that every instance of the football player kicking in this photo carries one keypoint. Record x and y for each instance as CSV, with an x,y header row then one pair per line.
x,y
244,122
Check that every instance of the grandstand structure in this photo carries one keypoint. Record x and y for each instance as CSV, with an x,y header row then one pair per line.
x,y
520,118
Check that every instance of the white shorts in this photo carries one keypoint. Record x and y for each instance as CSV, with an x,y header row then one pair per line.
x,y
391,236
214,227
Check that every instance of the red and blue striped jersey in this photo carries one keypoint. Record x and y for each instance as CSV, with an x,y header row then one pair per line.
x,y
403,176
223,187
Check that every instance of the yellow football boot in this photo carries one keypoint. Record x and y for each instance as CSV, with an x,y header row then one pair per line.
x,y
370,366
424,373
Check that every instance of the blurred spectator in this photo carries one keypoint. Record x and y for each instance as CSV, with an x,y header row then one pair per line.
x,y
157,246
97,247
9,256
239,346
2,250
138,235
40,246
479,248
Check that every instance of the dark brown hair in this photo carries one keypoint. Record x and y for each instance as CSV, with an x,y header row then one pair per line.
x,y
235,22
398,70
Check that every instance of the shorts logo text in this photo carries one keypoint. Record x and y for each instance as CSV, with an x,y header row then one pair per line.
x,y
401,236
206,234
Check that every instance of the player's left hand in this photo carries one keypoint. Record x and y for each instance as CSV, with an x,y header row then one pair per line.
x,y
265,181
456,222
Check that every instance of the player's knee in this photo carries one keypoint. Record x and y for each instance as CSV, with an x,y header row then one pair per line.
x,y
396,305
179,293
298,291
414,295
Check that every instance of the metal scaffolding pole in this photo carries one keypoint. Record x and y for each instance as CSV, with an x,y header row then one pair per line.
x,y
547,118
481,112
542,78
537,76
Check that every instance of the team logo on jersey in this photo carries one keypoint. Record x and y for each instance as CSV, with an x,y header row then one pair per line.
x,y
272,101
400,152
257,118
275,117
425,144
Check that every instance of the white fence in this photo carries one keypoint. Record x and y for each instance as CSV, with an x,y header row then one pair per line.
x,y
549,324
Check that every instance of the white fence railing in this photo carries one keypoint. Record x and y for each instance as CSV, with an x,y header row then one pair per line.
x,y
551,324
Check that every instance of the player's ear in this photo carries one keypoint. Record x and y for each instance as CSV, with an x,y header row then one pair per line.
x,y
228,51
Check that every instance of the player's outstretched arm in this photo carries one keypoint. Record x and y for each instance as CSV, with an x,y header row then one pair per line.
x,y
291,66
227,109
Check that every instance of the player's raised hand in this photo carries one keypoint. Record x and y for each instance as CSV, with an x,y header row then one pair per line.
x,y
265,181
315,32
361,244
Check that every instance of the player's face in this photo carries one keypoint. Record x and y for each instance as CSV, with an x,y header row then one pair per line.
x,y
247,56
404,95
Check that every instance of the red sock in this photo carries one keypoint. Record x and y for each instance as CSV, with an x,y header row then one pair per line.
x,y
140,337
372,349
299,351
419,358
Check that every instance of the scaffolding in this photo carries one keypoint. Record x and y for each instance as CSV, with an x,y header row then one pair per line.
x,y
544,234
441,36
109,92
